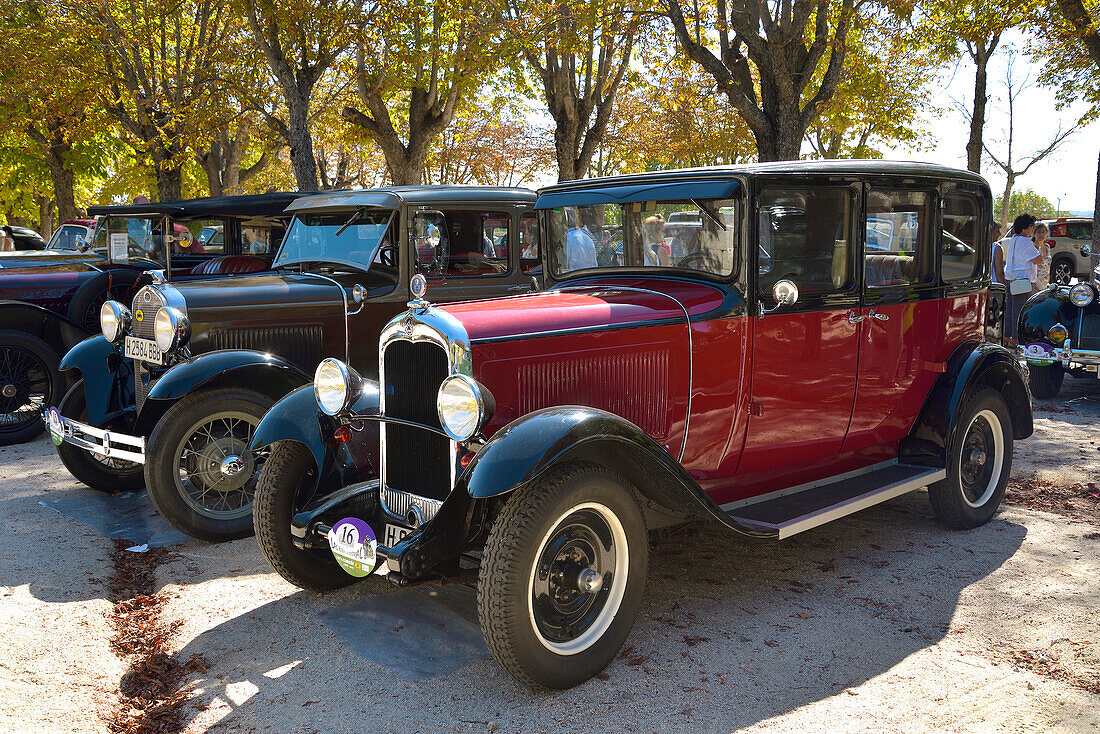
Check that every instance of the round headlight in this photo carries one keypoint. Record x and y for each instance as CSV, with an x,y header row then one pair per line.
x,y
114,320
171,329
1081,295
1058,334
464,407
334,385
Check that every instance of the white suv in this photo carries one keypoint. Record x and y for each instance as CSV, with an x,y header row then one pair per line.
x,y
1070,249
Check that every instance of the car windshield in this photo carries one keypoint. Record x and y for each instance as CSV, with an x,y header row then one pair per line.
x,y
346,237
700,235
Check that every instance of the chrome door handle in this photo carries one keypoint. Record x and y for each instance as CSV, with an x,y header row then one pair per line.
x,y
879,316
520,289
854,318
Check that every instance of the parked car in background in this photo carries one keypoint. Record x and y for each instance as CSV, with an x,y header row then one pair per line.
x,y
1059,334
20,239
531,444
1070,249
180,377
74,235
50,300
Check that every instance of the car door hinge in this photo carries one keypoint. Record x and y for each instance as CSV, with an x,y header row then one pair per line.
x,y
756,408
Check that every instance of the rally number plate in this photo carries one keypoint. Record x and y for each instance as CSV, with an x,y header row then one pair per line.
x,y
394,534
145,350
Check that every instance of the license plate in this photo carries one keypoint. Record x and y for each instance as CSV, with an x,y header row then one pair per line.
x,y
145,350
394,534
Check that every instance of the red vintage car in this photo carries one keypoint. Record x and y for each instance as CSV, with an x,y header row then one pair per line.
x,y
814,346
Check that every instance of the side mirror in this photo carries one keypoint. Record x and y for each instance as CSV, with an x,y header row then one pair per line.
x,y
785,293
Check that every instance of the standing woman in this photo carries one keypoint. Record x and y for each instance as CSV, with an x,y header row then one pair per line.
x,y
1022,259
1039,239
998,261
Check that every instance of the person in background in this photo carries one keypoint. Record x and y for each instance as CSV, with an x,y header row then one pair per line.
x,y
7,242
1039,239
998,269
1021,263
655,238
580,249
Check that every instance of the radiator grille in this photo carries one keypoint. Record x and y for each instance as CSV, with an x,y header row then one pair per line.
x,y
1090,330
299,344
149,302
633,385
416,461
141,387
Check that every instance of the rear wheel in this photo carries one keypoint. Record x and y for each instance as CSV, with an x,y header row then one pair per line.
x,y
287,473
29,384
979,465
562,576
1045,381
98,472
1061,270
199,470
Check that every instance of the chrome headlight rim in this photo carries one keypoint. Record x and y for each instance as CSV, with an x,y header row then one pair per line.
x,y
1058,334
348,383
114,320
171,329
1082,295
463,430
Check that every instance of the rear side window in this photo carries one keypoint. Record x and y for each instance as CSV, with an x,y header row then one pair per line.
x,y
960,246
805,236
1080,230
898,239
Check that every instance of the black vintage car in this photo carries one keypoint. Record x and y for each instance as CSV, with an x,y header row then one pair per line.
x,y
176,384
1059,334
50,299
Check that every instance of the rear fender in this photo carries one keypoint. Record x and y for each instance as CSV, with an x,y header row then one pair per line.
x,y
59,332
296,418
973,365
108,378
530,446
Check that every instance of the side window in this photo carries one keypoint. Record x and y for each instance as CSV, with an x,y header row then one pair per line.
x,y
806,237
529,243
477,243
260,236
202,237
1079,230
898,238
959,243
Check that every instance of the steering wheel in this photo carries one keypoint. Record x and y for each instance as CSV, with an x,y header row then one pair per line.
x,y
696,257
388,256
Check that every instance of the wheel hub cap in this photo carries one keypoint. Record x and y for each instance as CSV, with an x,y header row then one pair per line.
x,y
589,581
8,391
231,466
977,457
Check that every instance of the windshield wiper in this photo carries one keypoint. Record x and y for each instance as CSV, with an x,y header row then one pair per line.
x,y
350,221
713,218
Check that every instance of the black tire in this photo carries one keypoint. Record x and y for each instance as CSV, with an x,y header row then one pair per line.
x,y
276,501
97,472
979,465
89,297
29,384
556,517
1061,270
1045,382
181,462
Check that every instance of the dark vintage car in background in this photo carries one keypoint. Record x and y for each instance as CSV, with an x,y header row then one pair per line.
x,y
529,444
50,299
1059,334
174,387
20,239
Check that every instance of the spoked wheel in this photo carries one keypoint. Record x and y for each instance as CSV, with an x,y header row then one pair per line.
x,y
98,472
284,486
1061,270
199,470
562,576
980,464
29,382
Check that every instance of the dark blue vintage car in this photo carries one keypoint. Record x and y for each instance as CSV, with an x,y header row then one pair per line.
x,y
1059,334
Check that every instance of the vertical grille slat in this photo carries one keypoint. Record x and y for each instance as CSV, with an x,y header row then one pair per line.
x,y
417,461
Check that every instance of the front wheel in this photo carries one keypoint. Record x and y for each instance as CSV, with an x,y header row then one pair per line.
x,y
562,576
1061,271
199,470
29,383
1045,381
98,472
286,475
979,465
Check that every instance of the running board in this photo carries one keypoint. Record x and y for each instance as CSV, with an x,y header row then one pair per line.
x,y
787,515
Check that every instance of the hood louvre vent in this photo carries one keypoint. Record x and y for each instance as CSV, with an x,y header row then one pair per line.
x,y
301,345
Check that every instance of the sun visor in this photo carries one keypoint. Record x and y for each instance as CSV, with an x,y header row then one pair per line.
x,y
652,191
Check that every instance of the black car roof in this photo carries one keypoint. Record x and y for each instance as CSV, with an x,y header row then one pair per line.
x,y
252,205
393,196
831,167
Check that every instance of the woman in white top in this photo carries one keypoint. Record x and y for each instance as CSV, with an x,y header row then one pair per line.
x,y
1022,259
1039,239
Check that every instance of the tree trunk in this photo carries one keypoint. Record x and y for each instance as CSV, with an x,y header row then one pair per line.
x,y
980,55
1006,198
45,215
301,143
169,182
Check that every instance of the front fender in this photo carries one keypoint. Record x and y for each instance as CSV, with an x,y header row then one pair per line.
x,y
972,366
60,332
108,377
531,445
266,373
296,418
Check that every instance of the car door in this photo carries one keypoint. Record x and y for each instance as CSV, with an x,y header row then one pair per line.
x,y
804,356
899,321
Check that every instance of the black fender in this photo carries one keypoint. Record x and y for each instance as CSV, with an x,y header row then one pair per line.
x,y
108,378
266,373
60,332
296,418
531,445
972,366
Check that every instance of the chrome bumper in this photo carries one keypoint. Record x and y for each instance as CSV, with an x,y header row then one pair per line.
x,y
104,443
1065,355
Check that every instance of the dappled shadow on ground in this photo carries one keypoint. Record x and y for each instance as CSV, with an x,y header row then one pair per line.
x,y
732,632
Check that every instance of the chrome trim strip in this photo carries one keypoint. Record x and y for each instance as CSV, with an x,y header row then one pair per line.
x,y
1065,356
104,443
344,296
808,485
398,505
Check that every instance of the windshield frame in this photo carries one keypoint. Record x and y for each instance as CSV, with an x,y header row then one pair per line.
x,y
355,264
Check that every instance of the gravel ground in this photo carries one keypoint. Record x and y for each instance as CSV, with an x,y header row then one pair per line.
x,y
884,621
